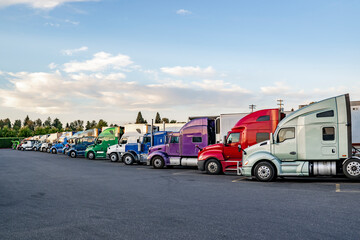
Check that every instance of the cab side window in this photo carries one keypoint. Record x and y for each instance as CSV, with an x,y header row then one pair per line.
x,y
147,140
123,140
286,133
262,136
174,139
233,138
328,134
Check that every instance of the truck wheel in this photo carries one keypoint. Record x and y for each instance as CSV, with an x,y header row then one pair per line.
x,y
213,167
22,149
264,172
158,162
73,154
53,151
114,157
91,156
352,168
48,150
128,159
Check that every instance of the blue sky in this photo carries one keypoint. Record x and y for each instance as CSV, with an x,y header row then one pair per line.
x,y
110,59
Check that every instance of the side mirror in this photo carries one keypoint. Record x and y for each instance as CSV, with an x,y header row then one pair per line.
x,y
224,140
240,149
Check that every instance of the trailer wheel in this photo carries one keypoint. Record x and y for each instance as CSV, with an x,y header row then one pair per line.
x,y
48,150
264,172
352,168
53,151
158,162
73,154
114,157
128,159
91,155
213,167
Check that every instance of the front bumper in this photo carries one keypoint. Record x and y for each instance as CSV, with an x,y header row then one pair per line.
x,y
201,165
245,171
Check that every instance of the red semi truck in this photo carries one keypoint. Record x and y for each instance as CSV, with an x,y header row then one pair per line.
x,y
249,130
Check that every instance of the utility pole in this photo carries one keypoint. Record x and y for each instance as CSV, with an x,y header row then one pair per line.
x,y
252,107
281,104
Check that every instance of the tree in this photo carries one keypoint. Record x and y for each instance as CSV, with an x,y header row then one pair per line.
x,y
17,124
40,131
101,124
26,120
57,124
77,125
25,132
31,125
139,118
165,120
7,122
47,122
88,125
1,123
173,121
38,122
157,118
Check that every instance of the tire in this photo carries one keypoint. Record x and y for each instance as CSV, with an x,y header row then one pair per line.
x,y
128,159
53,151
114,157
213,167
91,155
158,162
22,149
351,169
73,154
264,172
48,150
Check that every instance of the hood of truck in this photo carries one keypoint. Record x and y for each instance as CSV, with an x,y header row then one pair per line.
x,y
218,146
157,148
259,147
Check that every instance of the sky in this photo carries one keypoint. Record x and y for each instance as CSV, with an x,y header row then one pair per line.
x,y
110,59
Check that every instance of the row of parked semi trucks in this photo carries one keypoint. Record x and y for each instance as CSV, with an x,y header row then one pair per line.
x,y
316,140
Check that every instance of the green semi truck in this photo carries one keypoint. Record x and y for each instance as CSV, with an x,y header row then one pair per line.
x,y
313,141
108,137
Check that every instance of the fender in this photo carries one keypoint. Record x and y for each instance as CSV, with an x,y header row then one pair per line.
x,y
162,154
212,153
352,157
133,154
256,157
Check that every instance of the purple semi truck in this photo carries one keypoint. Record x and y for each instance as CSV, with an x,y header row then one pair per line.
x,y
181,148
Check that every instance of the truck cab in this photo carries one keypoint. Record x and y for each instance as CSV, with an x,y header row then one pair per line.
x,y
107,138
312,141
181,148
133,149
78,148
63,140
27,145
249,130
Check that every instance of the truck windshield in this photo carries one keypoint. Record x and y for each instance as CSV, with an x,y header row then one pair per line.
x,y
174,139
147,140
123,140
233,138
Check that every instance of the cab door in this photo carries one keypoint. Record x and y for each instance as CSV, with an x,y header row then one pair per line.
x,y
231,150
285,147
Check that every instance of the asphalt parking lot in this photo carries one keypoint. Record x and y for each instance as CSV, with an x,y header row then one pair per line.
x,y
46,196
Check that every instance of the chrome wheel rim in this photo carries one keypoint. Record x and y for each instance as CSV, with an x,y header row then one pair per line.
x,y
113,157
264,172
127,159
212,167
91,155
353,168
73,154
157,162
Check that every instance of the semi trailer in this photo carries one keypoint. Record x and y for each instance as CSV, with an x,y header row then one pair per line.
x,y
249,130
313,141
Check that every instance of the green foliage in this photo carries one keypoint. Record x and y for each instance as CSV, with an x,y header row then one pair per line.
x,y
57,124
140,119
173,121
77,125
165,120
8,141
25,132
26,120
90,125
8,132
17,124
38,123
101,124
47,122
157,118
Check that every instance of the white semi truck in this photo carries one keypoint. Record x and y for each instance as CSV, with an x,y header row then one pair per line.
x,y
313,141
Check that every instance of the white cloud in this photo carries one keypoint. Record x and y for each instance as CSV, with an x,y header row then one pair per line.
x,y
52,24
41,4
72,22
52,66
189,71
219,85
183,12
99,62
70,52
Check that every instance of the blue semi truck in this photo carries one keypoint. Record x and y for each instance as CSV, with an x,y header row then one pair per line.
x,y
130,150
82,141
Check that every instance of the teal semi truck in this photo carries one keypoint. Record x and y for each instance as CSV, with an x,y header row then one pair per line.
x,y
313,141
108,137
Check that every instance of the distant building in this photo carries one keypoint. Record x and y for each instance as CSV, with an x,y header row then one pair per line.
x,y
355,105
